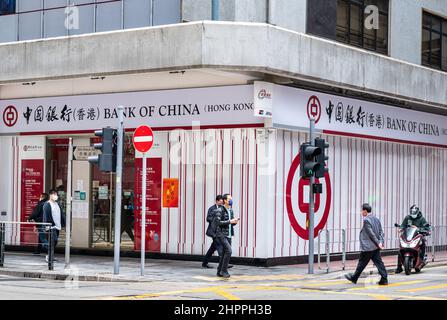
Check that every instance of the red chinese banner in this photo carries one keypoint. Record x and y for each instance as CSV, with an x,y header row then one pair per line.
x,y
32,186
170,193
153,204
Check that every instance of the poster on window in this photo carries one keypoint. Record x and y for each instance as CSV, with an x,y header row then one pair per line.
x,y
153,203
170,192
32,187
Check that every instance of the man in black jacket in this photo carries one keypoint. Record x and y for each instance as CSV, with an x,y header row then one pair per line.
x,y
37,216
53,213
210,233
221,227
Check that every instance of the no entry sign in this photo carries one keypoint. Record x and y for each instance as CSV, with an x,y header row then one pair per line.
x,y
143,139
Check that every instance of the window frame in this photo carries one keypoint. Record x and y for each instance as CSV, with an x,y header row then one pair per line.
x,y
442,33
362,5
14,9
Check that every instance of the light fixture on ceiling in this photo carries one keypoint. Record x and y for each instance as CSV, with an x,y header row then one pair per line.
x,y
97,78
29,83
175,72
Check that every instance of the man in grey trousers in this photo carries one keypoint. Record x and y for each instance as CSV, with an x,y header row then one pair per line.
x,y
371,242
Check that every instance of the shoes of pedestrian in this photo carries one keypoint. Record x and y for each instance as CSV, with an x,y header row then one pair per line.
x,y
383,282
36,252
398,270
207,266
225,275
230,266
219,274
54,259
350,278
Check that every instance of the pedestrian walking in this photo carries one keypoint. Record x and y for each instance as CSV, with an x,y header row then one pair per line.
x,y
221,224
53,213
37,216
371,242
228,205
211,233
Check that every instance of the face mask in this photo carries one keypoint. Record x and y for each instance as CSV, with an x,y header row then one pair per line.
x,y
230,202
414,216
55,198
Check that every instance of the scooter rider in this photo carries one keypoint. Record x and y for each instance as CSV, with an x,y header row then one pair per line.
x,y
415,218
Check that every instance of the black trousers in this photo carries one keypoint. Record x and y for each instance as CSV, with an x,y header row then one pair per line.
x,y
213,247
225,256
365,257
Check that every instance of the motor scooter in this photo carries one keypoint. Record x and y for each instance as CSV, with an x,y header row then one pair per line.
x,y
411,239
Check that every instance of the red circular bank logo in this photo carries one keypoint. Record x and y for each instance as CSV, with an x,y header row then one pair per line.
x,y
314,108
297,201
263,94
10,116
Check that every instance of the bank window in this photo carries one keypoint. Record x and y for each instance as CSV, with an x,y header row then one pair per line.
x,y
434,41
352,29
7,7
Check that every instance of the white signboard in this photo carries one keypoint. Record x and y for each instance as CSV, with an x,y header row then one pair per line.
x,y
229,105
340,115
263,99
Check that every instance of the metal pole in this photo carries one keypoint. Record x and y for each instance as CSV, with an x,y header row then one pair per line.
x,y
50,249
433,239
319,250
328,254
215,9
143,216
311,204
68,216
119,171
2,243
343,248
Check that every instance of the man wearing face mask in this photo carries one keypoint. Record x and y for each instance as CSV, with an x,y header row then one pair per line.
x,y
222,224
415,218
53,213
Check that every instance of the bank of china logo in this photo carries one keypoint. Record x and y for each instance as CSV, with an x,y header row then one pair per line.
x,y
264,94
10,116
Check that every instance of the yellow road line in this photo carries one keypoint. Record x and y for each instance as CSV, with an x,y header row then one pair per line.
x,y
396,284
253,278
226,294
439,286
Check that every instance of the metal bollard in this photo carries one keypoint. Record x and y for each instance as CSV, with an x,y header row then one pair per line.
x,y
328,254
50,250
2,243
319,244
343,246
433,245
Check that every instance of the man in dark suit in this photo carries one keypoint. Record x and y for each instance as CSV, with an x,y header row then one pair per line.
x,y
210,233
371,242
221,228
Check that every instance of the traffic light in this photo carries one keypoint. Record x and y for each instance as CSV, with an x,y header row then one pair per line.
x,y
308,163
107,159
321,158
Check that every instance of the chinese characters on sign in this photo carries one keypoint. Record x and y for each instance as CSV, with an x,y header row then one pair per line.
x,y
353,115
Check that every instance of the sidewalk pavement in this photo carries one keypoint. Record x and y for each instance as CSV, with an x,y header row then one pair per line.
x,y
94,268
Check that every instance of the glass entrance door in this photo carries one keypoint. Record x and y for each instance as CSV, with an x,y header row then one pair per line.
x,y
103,203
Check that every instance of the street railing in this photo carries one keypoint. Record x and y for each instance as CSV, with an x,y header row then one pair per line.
x,y
437,243
26,232
331,238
